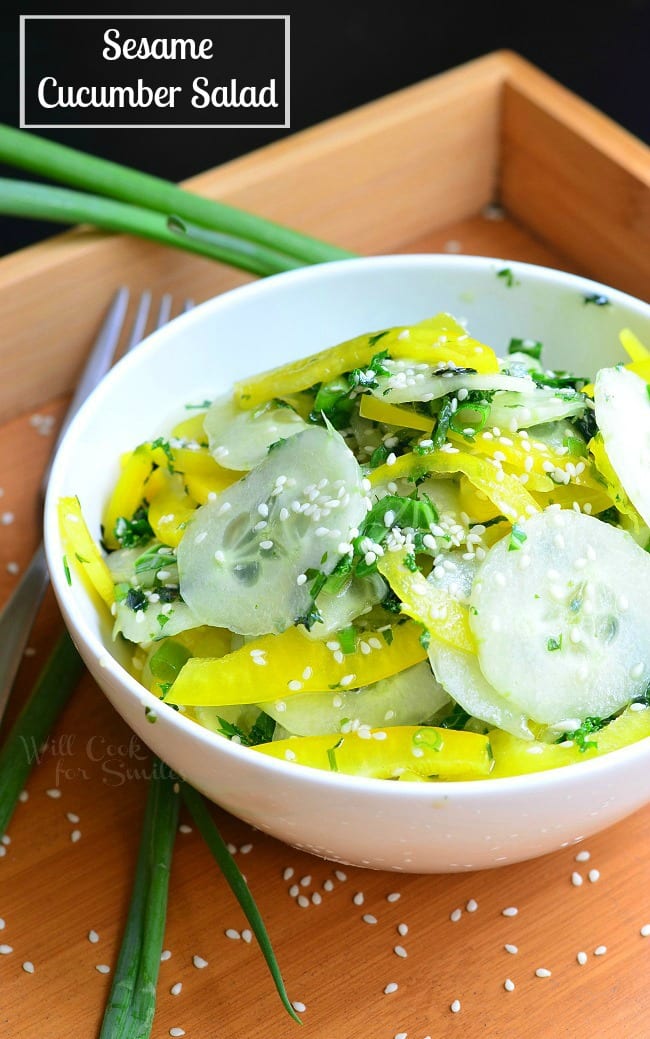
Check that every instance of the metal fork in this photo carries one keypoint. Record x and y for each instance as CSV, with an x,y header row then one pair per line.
x,y
19,613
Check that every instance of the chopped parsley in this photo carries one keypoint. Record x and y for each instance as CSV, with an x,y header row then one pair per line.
x,y
507,277
597,299
135,531
517,538
66,570
580,736
532,347
554,644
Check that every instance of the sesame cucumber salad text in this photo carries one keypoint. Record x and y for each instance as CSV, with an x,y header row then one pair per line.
x,y
404,557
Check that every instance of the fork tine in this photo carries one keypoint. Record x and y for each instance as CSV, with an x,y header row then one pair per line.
x,y
164,310
140,322
188,304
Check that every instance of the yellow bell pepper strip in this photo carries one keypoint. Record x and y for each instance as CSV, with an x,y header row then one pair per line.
x,y
611,481
510,497
273,667
202,487
170,506
387,753
444,617
82,551
433,341
191,429
516,757
393,414
633,346
128,493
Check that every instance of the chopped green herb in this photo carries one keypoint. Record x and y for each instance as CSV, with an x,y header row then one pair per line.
x,y
168,659
133,532
507,276
576,446
598,299
150,715
410,563
66,571
517,538
198,407
580,735
275,444
347,638
374,339
388,636
425,638
166,449
554,643
445,416
532,347
456,719
135,599
331,755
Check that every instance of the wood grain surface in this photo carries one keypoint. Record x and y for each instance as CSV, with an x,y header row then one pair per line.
x,y
56,888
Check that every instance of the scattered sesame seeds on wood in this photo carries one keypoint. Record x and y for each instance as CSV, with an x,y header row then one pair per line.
x,y
509,911
176,989
28,967
455,1006
103,968
582,958
399,950
165,955
5,950
509,985
542,972
472,905
369,918
455,915
93,937
199,962
391,987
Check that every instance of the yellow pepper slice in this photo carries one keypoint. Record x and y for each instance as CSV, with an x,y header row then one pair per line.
x,y
201,487
388,753
393,414
505,491
170,506
82,550
191,428
275,666
128,492
633,346
515,757
443,617
612,483
433,341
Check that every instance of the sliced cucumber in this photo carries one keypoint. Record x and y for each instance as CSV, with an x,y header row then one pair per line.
x,y
244,556
155,621
563,622
357,598
241,439
407,698
623,416
459,673
513,411
409,382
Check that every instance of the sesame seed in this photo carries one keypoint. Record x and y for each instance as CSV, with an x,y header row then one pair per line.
x,y
175,990
582,958
512,949
266,545
288,873
93,937
306,880
247,935
165,955
600,950
176,1032
298,1006
231,933
5,950
472,905
576,879
509,911
645,931
246,848
301,579
399,950
400,1035
347,679
295,686
455,1006
369,918
393,897
340,875
316,898
542,972
328,885
103,968
509,985
455,915
294,890
199,962
594,875
303,901
583,856
75,836
402,929
54,793
358,899
392,986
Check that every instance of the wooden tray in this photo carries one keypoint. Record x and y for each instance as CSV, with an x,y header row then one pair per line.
x,y
492,158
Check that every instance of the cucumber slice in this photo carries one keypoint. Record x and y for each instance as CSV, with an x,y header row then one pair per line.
x,y
407,698
563,623
243,557
357,598
154,622
459,673
623,416
409,381
241,439
513,411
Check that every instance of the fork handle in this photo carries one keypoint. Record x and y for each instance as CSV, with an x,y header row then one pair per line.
x,y
17,618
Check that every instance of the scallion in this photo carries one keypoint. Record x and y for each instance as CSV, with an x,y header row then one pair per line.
x,y
238,885
21,749
102,177
132,1000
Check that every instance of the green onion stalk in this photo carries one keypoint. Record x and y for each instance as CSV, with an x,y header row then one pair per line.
x,y
101,177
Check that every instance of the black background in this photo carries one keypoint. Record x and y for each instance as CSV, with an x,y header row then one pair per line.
x,y
344,54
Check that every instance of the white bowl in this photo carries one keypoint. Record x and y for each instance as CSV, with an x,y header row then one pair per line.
x,y
416,827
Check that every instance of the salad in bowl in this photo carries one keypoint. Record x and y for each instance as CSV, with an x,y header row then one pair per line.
x,y
415,555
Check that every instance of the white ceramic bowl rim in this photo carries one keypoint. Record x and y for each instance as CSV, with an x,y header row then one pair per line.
x,y
482,790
